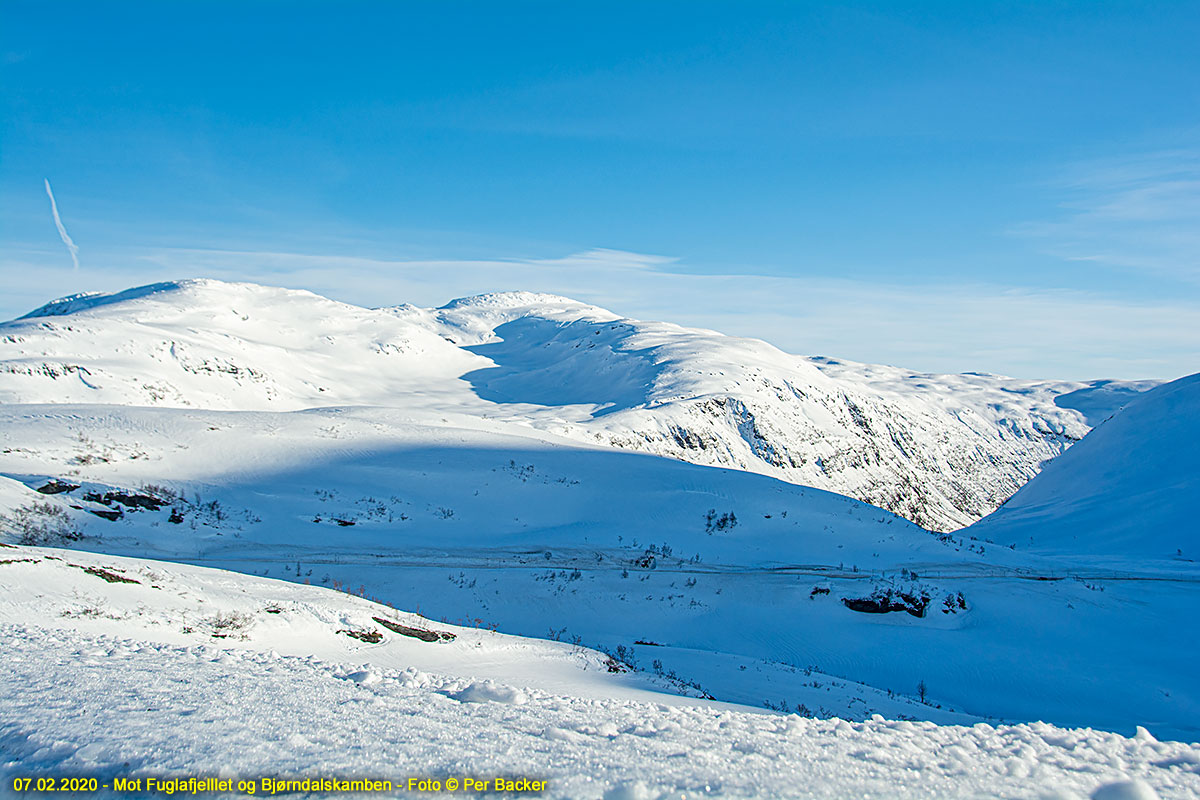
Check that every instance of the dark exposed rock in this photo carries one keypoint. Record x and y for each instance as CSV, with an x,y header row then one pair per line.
x,y
887,602
416,633
127,499
57,487
135,500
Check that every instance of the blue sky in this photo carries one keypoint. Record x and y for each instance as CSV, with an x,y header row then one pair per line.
x,y
1008,188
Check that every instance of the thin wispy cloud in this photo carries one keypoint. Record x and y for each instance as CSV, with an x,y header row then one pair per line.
x,y
609,259
62,229
1140,212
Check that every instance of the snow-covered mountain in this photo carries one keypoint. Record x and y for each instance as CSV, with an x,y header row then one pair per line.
x,y
1128,490
940,450
460,462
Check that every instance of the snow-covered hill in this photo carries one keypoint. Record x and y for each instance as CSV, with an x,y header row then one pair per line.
x,y
165,670
1128,490
734,584
941,450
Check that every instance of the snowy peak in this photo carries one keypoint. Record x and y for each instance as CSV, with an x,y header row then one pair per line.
x,y
520,304
941,450
86,301
211,344
193,292
474,320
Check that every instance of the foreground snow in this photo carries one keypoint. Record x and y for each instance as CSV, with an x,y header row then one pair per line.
x,y
95,680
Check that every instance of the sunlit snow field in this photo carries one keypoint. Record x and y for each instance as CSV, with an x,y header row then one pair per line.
x,y
631,531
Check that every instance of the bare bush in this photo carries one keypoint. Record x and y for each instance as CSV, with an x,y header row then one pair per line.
x,y
40,523
233,624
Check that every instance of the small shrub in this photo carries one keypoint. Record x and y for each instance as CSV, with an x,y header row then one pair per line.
x,y
166,494
235,623
724,522
41,523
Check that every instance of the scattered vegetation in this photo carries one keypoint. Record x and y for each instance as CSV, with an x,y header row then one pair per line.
x,y
232,624
106,574
95,609
370,637
40,523
714,523
953,603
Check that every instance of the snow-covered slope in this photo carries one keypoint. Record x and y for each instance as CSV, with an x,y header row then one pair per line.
x,y
162,670
738,585
187,606
1129,489
209,344
939,450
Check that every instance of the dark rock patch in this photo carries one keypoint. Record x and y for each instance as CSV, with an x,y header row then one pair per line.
x,y
127,499
887,602
57,487
416,633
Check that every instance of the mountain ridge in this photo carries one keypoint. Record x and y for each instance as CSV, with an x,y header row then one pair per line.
x,y
941,450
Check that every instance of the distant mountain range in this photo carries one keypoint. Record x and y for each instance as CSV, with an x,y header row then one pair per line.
x,y
940,450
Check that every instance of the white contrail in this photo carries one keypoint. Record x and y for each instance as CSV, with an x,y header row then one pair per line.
x,y
62,231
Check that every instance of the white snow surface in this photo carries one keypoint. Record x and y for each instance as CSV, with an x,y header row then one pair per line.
x,y
473,465
139,686
941,450
1128,489
738,585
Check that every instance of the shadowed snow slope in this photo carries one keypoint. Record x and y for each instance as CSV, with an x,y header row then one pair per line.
x,y
941,450
169,669
1128,489
747,588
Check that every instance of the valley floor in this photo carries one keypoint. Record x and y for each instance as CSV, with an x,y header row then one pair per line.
x,y
116,667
